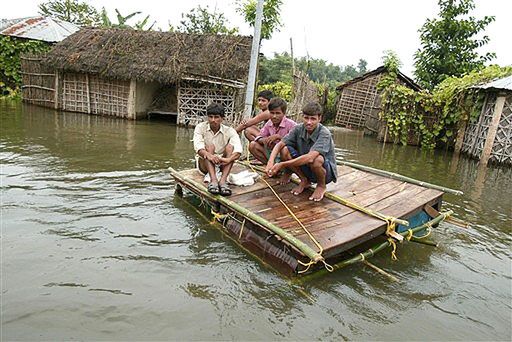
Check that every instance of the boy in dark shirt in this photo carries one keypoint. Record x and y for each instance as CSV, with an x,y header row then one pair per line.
x,y
308,150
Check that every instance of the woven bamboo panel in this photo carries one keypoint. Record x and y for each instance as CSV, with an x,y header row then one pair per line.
x,y
476,132
38,82
74,93
194,98
108,96
95,95
356,102
502,147
304,91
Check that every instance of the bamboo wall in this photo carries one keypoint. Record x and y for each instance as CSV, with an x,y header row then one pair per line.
x,y
304,91
194,98
358,102
94,95
476,134
38,82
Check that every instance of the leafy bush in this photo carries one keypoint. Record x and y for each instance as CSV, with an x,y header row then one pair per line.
x,y
10,64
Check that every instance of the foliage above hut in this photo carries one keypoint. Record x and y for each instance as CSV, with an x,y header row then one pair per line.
x,y
152,56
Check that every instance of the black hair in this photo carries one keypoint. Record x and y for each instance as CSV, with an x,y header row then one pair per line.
x,y
312,108
215,109
277,102
266,94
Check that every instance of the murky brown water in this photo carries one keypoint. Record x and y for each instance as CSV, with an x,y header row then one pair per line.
x,y
95,246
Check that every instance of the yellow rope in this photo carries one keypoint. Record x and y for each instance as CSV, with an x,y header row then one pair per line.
x,y
409,236
241,230
390,220
217,216
363,258
320,248
393,252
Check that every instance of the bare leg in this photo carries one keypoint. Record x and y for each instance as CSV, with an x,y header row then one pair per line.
x,y
251,132
226,169
207,166
258,151
304,181
318,169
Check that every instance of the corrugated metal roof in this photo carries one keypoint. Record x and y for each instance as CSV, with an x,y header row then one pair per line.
x,y
38,28
502,83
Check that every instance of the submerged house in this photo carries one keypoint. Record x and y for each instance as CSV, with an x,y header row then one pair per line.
x,y
359,100
131,74
489,138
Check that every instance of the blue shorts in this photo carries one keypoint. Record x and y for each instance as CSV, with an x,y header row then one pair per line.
x,y
329,173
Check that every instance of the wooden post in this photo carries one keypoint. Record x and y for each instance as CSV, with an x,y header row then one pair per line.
x,y
460,135
88,93
293,60
493,128
56,92
131,100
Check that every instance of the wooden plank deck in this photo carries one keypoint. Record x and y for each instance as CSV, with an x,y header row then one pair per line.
x,y
336,227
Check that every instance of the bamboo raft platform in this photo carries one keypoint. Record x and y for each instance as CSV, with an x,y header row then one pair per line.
x,y
339,235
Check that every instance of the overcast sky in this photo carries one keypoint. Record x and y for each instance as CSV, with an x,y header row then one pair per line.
x,y
339,31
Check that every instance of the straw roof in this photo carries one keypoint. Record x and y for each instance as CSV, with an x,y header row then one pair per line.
x,y
152,56
407,80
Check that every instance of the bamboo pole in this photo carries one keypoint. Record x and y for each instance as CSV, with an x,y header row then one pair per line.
x,y
374,250
381,271
347,203
301,246
398,177
424,242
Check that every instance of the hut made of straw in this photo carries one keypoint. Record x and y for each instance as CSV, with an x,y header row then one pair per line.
x,y
130,73
359,100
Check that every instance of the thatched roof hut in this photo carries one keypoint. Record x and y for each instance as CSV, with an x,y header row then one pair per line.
x,y
152,56
148,64
358,103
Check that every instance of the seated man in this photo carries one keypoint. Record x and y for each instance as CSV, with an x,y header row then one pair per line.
x,y
216,145
249,127
308,150
273,131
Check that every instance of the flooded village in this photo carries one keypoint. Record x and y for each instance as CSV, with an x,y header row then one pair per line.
x,y
111,231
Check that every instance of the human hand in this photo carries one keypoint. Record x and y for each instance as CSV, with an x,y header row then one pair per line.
x,y
272,140
274,170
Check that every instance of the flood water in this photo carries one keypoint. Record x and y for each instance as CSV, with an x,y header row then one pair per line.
x,y
96,246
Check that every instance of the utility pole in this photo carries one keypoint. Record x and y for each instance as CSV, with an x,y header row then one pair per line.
x,y
249,95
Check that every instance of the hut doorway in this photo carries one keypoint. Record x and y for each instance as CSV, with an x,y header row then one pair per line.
x,y
165,104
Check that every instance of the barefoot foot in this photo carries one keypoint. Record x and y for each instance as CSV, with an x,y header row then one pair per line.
x,y
301,187
318,194
285,178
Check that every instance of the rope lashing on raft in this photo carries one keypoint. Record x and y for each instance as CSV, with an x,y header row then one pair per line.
x,y
311,262
391,221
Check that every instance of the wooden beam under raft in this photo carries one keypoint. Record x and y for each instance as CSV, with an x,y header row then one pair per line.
x,y
331,232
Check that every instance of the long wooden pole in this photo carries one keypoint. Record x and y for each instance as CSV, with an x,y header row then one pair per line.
x,y
398,177
251,80
301,246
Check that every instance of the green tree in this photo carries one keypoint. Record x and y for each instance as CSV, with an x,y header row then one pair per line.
x,y
271,15
279,68
74,11
10,65
122,20
201,20
449,44
361,66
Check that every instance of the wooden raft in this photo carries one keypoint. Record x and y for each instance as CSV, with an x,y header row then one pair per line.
x,y
336,227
